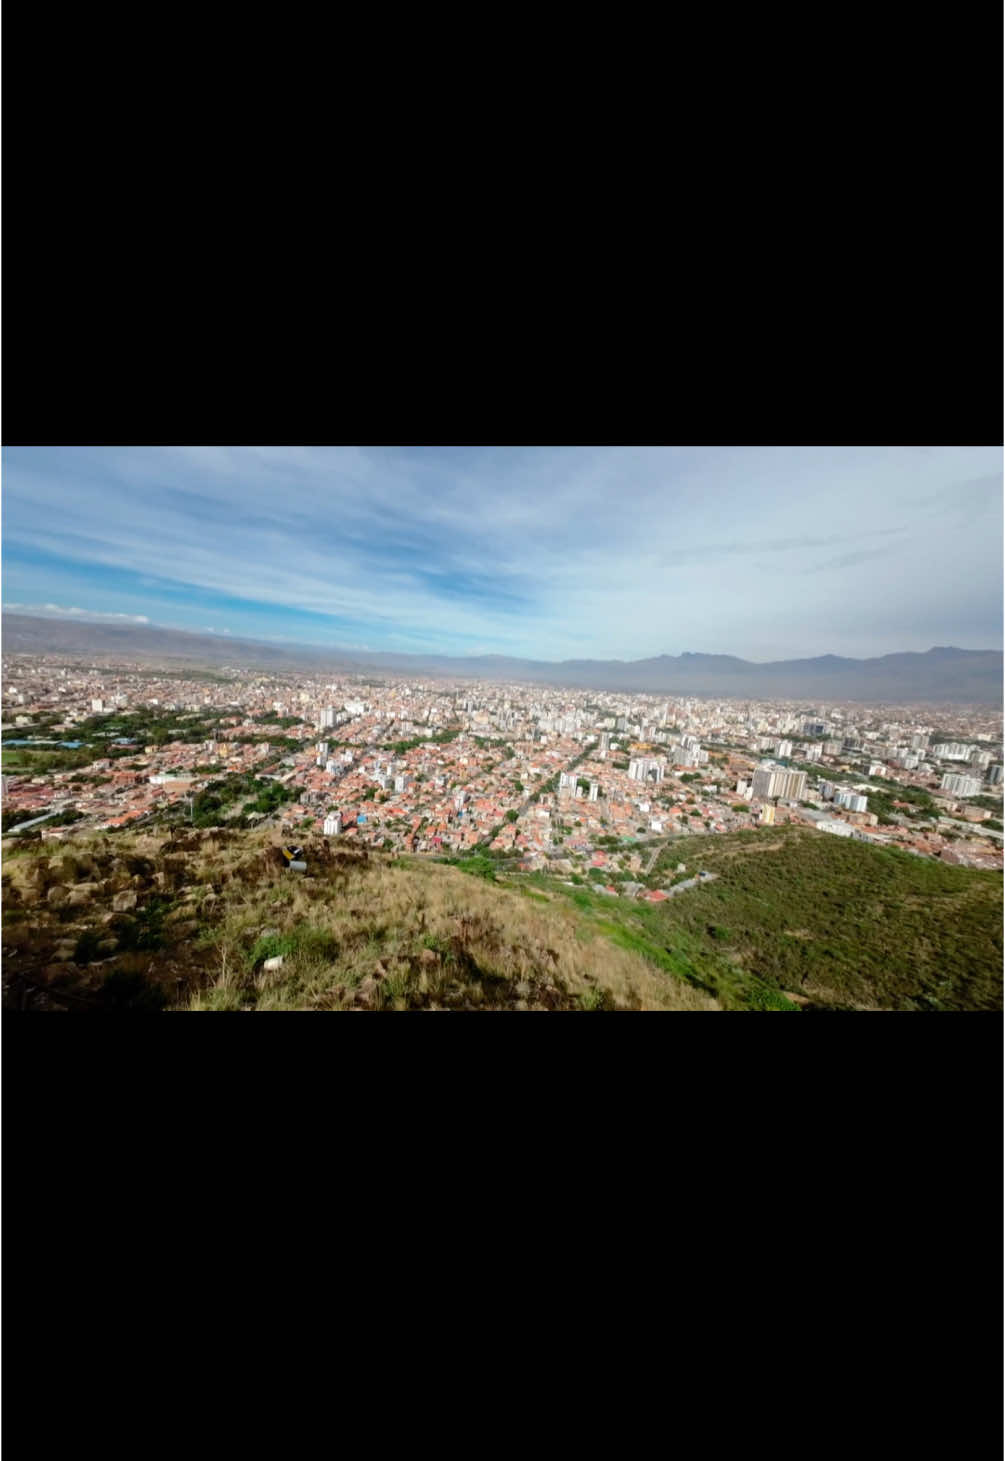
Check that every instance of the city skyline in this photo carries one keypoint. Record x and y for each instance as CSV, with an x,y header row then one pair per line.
x,y
544,553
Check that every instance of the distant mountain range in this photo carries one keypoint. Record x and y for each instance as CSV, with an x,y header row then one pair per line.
x,y
939,676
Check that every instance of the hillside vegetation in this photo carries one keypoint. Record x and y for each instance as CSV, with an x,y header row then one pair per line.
x,y
794,920
187,922
844,923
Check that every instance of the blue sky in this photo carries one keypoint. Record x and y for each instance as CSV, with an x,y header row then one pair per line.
x,y
553,553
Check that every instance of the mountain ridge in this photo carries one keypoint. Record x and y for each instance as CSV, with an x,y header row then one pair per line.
x,y
942,674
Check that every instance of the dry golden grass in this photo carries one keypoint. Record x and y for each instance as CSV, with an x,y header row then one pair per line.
x,y
360,931
429,937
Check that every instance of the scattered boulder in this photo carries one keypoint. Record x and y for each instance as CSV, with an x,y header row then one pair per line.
x,y
276,963
81,894
56,896
108,945
428,957
64,952
122,902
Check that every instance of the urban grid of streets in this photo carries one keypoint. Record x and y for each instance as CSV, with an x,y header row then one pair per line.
x,y
587,781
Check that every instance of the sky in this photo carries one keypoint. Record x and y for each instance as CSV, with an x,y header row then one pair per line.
x,y
540,552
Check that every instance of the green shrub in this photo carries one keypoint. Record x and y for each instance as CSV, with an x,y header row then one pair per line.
x,y
761,997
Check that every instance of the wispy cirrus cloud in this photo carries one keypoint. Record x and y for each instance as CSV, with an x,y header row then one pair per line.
x,y
551,552
851,560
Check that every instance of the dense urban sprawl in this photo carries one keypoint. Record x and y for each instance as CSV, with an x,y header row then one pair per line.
x,y
585,783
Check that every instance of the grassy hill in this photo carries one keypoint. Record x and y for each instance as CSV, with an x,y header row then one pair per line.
x,y
844,923
794,920
148,922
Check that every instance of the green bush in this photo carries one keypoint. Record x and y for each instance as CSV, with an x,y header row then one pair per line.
x,y
763,998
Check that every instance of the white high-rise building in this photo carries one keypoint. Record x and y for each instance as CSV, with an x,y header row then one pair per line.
x,y
952,751
961,785
333,824
646,768
772,781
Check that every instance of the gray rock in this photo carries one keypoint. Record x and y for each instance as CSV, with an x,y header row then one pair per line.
x,y
276,963
122,902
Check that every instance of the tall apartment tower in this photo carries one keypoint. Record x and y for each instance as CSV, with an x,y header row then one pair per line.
x,y
605,744
961,785
772,781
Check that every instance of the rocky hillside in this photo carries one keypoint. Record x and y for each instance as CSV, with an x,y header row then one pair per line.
x,y
216,921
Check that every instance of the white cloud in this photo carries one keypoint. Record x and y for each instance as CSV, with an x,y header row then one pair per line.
x,y
550,552
58,611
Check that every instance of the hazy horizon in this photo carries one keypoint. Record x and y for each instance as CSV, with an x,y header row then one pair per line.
x,y
538,553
